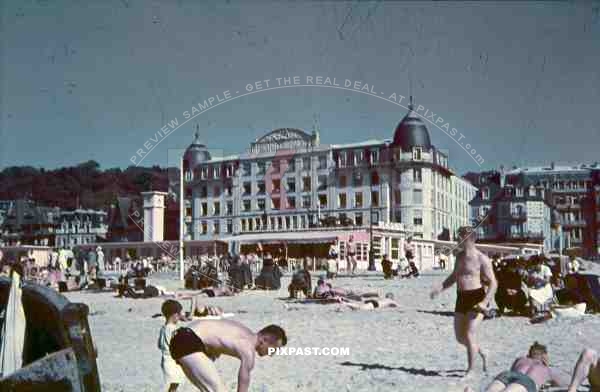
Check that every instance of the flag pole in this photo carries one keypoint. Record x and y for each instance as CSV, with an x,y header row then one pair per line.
x,y
181,219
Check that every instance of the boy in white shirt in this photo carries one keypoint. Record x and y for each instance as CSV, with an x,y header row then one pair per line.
x,y
172,372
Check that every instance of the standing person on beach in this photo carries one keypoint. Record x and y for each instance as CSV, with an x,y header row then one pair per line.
x,y
471,271
352,255
172,373
196,346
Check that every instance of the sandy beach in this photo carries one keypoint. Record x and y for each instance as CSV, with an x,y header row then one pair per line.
x,y
407,349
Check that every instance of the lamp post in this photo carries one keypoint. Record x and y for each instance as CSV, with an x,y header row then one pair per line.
x,y
371,252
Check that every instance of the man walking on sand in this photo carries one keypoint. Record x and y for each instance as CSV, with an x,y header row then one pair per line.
x,y
471,270
196,346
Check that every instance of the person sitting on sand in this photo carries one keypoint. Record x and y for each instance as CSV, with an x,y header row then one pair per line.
x,y
301,281
172,373
527,374
196,346
372,303
588,366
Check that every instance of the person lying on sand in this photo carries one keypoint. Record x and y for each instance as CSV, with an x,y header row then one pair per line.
x,y
527,374
372,303
196,346
588,366
325,290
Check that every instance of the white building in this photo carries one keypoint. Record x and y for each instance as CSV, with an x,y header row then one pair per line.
x,y
80,227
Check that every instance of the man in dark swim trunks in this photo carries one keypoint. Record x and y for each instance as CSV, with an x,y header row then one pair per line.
x,y
196,346
527,374
472,268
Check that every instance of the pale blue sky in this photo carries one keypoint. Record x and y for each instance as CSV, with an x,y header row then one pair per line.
x,y
94,80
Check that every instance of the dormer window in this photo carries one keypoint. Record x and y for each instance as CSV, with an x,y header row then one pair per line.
x,y
485,193
417,153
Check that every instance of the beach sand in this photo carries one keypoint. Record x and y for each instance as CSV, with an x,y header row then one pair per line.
x,y
407,349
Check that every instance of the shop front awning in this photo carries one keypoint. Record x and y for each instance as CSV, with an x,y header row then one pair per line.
x,y
311,237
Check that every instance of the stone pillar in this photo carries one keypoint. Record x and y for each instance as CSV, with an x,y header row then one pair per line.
x,y
154,214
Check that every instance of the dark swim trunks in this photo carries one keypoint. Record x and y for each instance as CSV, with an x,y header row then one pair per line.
x,y
374,302
510,377
467,299
209,292
185,342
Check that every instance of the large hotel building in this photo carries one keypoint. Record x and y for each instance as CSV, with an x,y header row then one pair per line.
x,y
290,186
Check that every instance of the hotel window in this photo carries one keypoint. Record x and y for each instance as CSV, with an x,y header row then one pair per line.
x,y
375,198
217,208
229,208
295,222
358,219
216,171
485,193
204,172
216,191
244,225
374,178
291,185
188,212
217,228
276,186
260,168
323,201
275,167
302,221
342,159
358,200
417,175
395,249
228,190
305,201
306,184
322,183
229,226
417,196
519,192
204,192
398,197
272,220
359,157
291,165
357,179
247,205
291,202
374,157
288,223
247,188
261,188
261,204
323,162
228,171
342,181
250,224
306,163
417,153
275,203
418,218
204,209
342,200
204,228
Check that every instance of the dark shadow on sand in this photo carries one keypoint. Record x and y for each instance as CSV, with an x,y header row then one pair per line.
x,y
414,371
437,313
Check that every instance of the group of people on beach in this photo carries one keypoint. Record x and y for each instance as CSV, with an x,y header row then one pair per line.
x,y
189,351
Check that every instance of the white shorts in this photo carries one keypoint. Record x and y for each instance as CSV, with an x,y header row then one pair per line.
x,y
172,372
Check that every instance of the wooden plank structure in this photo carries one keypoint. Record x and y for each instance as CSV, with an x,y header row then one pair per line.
x,y
57,333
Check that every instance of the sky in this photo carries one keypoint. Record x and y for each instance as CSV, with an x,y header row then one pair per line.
x,y
81,80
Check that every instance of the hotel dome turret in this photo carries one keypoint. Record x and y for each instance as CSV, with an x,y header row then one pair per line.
x,y
196,153
411,132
